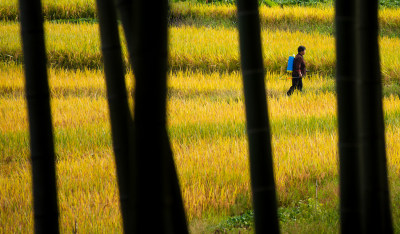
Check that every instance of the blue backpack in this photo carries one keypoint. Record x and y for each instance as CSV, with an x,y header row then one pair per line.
x,y
290,64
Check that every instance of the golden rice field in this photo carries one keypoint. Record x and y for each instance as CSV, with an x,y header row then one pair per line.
x,y
206,124
207,130
324,15
202,48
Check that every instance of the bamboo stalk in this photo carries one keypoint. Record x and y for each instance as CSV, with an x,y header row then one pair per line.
x,y
145,27
261,166
349,148
40,124
376,215
121,119
150,67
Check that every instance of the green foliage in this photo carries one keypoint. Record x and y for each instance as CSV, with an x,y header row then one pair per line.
x,y
269,3
244,221
392,87
303,2
75,21
389,3
303,211
309,209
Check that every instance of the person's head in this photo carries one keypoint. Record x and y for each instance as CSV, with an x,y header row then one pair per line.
x,y
301,50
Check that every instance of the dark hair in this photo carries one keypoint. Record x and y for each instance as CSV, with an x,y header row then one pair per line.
x,y
301,48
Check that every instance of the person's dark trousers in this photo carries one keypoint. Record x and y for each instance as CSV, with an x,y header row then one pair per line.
x,y
297,83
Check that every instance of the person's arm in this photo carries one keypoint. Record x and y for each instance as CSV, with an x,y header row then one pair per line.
x,y
303,64
297,66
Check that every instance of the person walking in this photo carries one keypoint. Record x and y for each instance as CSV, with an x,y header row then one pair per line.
x,y
299,71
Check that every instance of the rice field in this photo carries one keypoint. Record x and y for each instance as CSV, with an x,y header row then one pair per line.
x,y
206,124
207,130
192,48
74,9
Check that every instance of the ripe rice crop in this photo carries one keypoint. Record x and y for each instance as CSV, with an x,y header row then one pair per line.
x,y
52,9
206,49
207,129
293,16
206,121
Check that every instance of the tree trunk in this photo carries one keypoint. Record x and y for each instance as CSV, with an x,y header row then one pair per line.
x,y
145,27
376,215
261,165
350,214
121,119
40,124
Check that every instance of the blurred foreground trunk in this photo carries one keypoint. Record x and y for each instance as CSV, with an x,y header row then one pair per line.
x,y
40,124
261,166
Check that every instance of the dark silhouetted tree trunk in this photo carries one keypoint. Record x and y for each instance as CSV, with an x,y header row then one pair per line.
x,y
376,215
40,125
121,119
261,166
349,148
158,192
